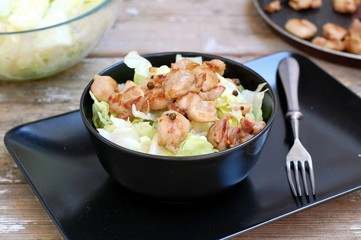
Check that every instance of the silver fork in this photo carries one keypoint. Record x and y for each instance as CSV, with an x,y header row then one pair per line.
x,y
298,156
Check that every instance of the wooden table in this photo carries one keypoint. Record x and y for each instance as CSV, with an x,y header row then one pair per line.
x,y
231,28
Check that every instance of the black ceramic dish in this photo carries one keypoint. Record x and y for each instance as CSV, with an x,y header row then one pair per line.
x,y
317,16
180,178
57,158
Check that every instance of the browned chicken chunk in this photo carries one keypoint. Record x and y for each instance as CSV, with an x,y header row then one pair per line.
x,y
304,4
334,31
333,44
301,28
274,6
345,6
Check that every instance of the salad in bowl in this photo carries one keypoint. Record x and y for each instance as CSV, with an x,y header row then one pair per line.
x,y
186,108
177,126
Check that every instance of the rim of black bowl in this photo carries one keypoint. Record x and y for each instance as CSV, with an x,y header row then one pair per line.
x,y
192,158
87,13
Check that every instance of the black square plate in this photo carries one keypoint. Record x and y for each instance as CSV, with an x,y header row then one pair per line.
x,y
57,158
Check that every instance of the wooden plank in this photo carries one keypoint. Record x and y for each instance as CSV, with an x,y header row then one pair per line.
x,y
341,215
227,28
22,216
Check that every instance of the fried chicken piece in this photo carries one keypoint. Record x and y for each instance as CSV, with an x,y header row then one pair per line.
x,y
334,44
173,128
301,28
345,6
274,6
353,39
120,103
304,4
178,83
195,108
216,66
183,63
206,76
353,44
355,27
333,31
316,4
103,87
222,136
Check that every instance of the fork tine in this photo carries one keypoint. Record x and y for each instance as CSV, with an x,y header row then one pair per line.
x,y
290,179
297,176
303,168
312,176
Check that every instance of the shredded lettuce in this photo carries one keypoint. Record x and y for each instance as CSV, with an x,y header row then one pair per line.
x,y
194,59
230,87
43,53
200,128
195,145
139,114
255,98
228,99
101,116
136,136
145,129
21,15
142,67
156,149
124,134
145,143
162,70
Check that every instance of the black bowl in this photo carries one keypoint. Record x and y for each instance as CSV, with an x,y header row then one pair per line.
x,y
180,178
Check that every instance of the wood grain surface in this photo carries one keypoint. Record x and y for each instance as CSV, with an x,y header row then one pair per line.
x,y
230,28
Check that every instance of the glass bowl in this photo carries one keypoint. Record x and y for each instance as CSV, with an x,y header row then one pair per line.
x,y
42,52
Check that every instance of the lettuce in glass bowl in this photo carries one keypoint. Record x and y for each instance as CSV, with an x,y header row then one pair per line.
x,y
43,37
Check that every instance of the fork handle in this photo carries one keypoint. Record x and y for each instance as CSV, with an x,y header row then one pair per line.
x,y
289,72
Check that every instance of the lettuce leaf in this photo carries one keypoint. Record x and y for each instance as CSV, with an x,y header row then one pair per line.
x,y
195,145
101,115
135,136
162,70
194,59
139,114
142,67
145,143
227,99
200,128
145,129
156,149
255,98
123,133
230,87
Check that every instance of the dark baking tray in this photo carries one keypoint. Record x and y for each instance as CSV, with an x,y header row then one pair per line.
x,y
317,16
57,159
